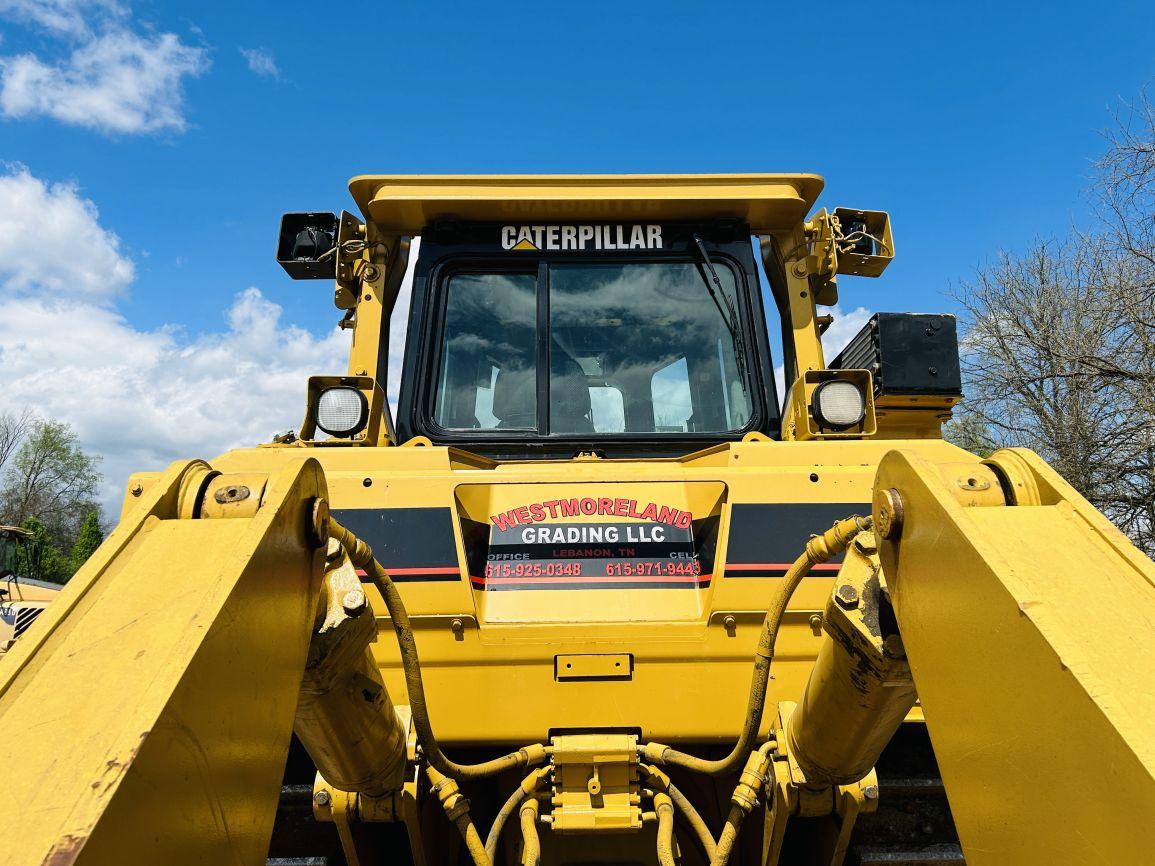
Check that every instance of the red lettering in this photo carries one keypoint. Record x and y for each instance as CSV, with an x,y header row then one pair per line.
x,y
503,521
522,514
684,520
650,512
569,508
634,509
588,506
622,507
667,515
552,506
606,506
537,512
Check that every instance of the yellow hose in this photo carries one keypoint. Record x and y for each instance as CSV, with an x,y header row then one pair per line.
x,y
728,838
820,548
743,800
457,809
665,809
528,786
361,555
473,842
682,804
531,845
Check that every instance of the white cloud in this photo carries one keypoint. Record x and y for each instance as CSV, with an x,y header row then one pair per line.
x,y
141,398
115,79
841,330
261,62
37,222
145,398
844,327
64,17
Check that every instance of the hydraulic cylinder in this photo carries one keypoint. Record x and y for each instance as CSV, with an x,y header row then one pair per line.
x,y
860,688
345,717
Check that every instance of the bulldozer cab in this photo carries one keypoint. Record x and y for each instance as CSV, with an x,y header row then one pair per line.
x,y
629,339
15,540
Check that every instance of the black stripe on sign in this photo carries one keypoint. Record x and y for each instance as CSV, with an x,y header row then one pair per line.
x,y
415,545
765,538
626,583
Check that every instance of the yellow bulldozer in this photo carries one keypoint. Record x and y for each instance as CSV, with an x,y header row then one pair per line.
x,y
594,590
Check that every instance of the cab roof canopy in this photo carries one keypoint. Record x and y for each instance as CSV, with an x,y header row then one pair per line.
x,y
405,204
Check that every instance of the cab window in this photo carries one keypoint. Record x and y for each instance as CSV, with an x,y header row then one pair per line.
x,y
488,370
636,348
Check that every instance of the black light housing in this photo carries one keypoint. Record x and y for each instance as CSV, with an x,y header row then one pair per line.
x,y
304,241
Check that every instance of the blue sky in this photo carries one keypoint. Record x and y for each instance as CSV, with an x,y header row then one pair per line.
x,y
973,124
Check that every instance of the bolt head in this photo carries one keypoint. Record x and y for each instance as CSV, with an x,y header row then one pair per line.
x,y
888,513
322,798
847,596
457,626
353,602
870,792
729,622
136,489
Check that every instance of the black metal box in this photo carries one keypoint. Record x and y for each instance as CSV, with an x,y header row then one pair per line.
x,y
303,237
907,354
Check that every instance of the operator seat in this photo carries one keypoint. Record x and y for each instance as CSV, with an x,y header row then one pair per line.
x,y
515,393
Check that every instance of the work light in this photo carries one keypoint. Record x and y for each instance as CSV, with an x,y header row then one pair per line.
x,y
838,404
341,411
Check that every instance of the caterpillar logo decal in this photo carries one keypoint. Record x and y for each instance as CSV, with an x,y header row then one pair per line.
x,y
581,237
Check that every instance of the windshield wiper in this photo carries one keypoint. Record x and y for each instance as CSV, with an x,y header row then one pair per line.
x,y
729,314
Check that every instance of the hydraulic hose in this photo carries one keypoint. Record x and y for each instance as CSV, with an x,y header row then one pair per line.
x,y
682,804
531,844
728,838
743,801
528,787
361,555
694,819
457,809
665,809
820,548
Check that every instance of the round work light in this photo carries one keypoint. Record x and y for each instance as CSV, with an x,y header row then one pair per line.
x,y
342,411
838,404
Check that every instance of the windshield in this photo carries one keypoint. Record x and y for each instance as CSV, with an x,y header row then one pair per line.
x,y
632,349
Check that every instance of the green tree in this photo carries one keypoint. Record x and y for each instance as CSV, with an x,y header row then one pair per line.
x,y
40,558
87,540
49,477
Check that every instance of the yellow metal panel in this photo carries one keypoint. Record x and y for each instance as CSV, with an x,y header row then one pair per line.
x,y
405,204
690,676
159,694
599,666
1029,632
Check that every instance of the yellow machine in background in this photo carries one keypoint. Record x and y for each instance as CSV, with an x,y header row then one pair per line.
x,y
594,592
23,597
